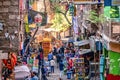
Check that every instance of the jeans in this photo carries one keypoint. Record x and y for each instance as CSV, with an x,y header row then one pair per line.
x,y
52,69
61,74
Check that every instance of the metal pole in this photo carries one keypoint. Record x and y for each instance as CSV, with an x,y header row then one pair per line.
x,y
0,69
95,56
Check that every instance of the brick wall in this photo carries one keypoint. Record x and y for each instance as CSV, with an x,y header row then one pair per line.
x,y
9,10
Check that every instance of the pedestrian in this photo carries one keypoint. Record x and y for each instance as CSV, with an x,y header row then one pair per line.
x,y
70,62
54,50
61,68
52,64
50,56
43,73
34,76
58,57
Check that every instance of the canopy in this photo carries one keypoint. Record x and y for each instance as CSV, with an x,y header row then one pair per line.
x,y
21,72
81,43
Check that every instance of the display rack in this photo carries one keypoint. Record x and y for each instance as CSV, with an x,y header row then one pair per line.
x,y
79,68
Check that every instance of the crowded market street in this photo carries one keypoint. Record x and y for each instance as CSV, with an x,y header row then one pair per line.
x,y
59,39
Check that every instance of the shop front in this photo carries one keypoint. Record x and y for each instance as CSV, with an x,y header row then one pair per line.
x,y
112,61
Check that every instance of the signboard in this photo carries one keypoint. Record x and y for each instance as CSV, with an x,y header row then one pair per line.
x,y
83,0
114,47
116,28
87,1
3,55
115,2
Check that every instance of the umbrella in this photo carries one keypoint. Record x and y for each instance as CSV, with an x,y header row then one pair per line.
x,y
21,72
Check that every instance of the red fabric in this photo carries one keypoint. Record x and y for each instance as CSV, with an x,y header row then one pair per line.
x,y
14,58
71,63
4,61
13,61
11,65
113,77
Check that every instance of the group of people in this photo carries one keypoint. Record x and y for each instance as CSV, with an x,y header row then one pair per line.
x,y
56,57
63,61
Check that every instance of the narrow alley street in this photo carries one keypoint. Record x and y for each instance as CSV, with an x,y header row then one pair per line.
x,y
55,75
81,37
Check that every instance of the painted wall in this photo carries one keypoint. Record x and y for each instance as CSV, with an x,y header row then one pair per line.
x,y
114,63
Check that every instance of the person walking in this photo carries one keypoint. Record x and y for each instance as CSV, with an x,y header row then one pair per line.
x,y
52,64
61,68
43,73
58,58
34,76
50,56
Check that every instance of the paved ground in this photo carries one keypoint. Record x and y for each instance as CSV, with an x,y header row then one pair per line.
x,y
55,76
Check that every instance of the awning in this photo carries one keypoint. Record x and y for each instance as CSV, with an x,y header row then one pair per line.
x,y
84,51
81,43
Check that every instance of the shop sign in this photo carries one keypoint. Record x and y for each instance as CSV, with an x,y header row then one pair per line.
x,y
116,29
87,1
83,0
115,46
46,45
115,2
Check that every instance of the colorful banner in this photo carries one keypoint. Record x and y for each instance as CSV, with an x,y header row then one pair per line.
x,y
111,11
22,5
114,12
27,29
75,25
33,13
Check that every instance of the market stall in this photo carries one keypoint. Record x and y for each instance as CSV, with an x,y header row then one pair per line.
x,y
85,53
79,68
